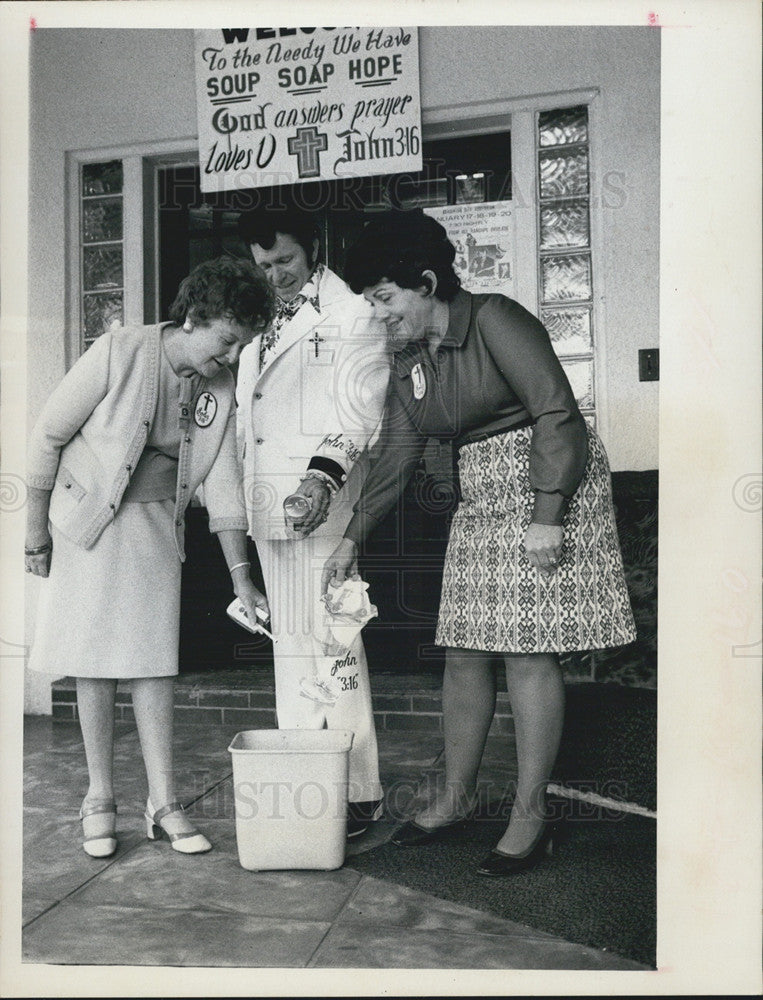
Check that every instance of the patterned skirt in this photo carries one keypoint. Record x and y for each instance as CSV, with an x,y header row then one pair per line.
x,y
493,599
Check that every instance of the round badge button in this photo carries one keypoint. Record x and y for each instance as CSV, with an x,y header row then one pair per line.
x,y
206,408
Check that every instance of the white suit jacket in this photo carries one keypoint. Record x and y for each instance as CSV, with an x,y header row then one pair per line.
x,y
320,394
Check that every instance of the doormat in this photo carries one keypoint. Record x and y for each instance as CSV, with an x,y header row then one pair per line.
x,y
598,888
609,744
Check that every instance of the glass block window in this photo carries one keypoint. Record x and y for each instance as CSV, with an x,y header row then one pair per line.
x,y
565,274
565,278
580,374
570,330
565,225
564,173
101,249
559,128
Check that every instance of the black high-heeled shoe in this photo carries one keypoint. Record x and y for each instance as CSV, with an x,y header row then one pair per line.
x,y
500,863
410,834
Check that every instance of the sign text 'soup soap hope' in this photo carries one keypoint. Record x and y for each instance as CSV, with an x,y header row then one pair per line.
x,y
240,83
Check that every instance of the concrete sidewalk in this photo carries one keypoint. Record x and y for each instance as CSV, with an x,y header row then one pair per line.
x,y
149,905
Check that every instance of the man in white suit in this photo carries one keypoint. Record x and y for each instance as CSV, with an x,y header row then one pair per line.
x,y
310,395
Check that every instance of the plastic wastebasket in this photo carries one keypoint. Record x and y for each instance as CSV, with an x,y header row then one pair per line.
x,y
290,794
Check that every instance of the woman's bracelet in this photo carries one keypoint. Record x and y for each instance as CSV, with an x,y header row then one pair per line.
x,y
238,566
40,550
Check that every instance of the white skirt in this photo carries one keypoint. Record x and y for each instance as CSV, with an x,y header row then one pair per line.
x,y
113,610
493,599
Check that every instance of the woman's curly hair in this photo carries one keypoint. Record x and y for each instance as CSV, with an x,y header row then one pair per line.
x,y
227,286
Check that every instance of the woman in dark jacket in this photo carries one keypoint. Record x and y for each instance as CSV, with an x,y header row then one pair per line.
x,y
533,567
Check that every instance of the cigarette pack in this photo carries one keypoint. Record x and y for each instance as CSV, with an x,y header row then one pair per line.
x,y
237,612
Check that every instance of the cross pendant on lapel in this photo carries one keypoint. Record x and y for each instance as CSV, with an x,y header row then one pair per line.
x,y
315,339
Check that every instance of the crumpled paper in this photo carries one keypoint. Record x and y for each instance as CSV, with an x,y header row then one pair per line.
x,y
346,609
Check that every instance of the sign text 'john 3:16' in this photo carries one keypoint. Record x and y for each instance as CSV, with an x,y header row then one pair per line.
x,y
285,105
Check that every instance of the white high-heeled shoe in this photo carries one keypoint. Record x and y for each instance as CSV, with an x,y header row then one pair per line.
x,y
191,842
104,844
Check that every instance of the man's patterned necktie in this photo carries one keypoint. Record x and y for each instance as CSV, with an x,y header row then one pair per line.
x,y
286,311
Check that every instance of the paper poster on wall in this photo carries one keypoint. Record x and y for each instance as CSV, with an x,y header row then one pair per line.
x,y
289,105
483,235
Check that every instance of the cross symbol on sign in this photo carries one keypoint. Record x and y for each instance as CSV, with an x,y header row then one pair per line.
x,y
306,145
315,339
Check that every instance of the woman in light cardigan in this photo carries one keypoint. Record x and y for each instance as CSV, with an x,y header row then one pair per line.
x,y
144,418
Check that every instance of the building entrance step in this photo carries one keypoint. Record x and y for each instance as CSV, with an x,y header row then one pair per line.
x,y
246,698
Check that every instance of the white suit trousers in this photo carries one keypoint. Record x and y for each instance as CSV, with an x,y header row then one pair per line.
x,y
292,574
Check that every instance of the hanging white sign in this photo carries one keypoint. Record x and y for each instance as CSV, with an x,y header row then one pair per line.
x,y
289,105
483,235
